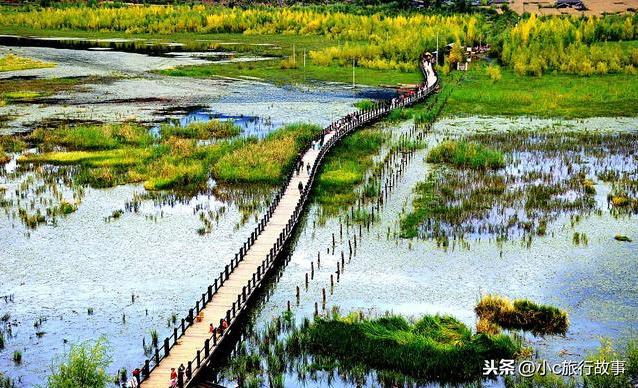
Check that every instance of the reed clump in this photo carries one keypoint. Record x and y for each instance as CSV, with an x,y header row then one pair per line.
x,y
94,137
212,129
522,314
438,347
266,161
466,154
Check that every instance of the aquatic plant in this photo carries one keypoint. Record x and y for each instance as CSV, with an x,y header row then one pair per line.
x,y
17,357
1,340
433,346
154,337
364,104
265,161
522,314
6,382
211,129
84,365
623,238
466,154
94,137
345,168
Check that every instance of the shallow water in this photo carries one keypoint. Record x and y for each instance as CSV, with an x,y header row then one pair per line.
x,y
123,87
58,272
594,283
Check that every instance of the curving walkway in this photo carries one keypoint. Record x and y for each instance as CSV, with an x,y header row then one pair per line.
x,y
191,344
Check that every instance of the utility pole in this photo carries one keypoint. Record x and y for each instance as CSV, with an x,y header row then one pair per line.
x,y
437,48
353,84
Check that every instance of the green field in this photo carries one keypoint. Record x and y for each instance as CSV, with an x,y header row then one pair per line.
x,y
550,95
272,71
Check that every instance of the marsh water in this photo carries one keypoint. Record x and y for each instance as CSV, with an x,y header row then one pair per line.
x,y
89,274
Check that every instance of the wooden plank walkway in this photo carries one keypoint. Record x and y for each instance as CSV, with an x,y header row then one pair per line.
x,y
191,344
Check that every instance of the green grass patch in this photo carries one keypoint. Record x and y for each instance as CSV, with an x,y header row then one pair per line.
x,y
95,137
22,96
345,167
467,155
426,203
272,71
550,95
212,129
13,62
522,314
123,157
438,347
266,161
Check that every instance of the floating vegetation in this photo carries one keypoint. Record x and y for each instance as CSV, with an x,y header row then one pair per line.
x,y
548,174
212,129
521,314
623,238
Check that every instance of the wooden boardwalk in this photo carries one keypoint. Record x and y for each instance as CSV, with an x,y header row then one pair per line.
x,y
192,345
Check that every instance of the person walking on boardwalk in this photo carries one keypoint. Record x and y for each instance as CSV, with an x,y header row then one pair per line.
x,y
300,186
173,380
211,329
308,168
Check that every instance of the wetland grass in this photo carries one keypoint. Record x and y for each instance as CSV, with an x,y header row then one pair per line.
x,y
466,154
12,62
522,314
94,137
439,347
547,175
17,357
345,168
550,95
114,154
265,161
212,129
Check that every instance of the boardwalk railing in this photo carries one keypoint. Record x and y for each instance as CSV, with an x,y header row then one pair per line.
x,y
333,133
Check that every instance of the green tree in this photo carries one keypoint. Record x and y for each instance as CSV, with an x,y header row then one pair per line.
x,y
83,367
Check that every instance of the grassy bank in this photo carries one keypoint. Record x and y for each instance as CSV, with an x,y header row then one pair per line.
x,y
550,95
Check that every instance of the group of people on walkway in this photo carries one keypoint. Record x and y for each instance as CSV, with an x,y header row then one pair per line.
x,y
351,120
